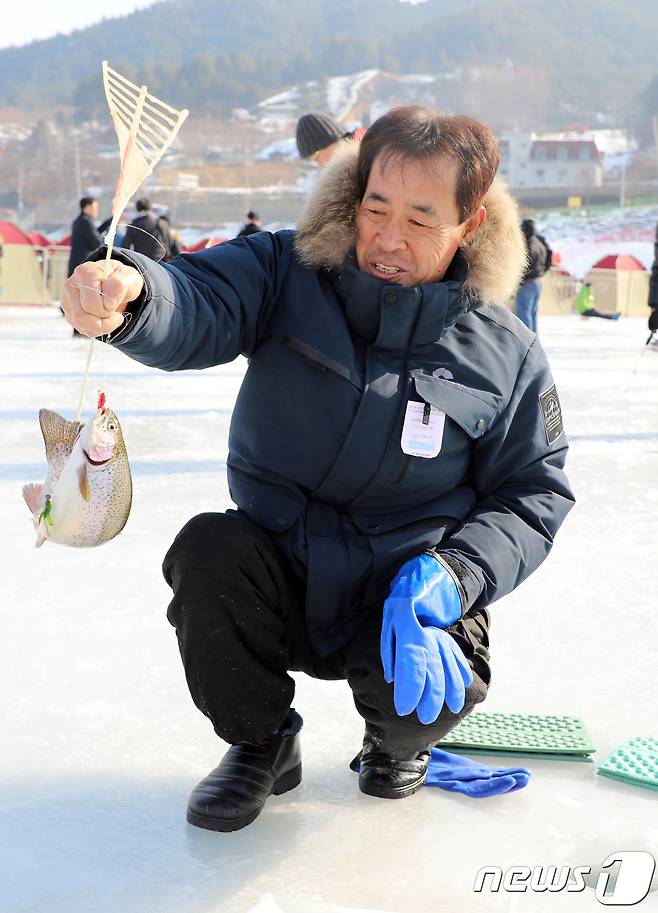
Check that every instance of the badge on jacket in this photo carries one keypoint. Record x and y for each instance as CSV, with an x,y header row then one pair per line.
x,y
422,432
552,412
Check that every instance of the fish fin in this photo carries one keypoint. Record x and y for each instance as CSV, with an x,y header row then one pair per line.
x,y
32,494
85,490
57,430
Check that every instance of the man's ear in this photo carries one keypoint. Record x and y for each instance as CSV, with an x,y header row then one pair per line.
x,y
473,223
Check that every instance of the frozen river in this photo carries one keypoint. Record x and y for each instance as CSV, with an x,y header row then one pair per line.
x,y
101,743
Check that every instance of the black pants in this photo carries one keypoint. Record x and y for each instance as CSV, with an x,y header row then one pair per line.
x,y
238,611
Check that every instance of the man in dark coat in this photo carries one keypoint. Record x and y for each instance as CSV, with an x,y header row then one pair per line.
x,y
147,234
396,453
653,289
85,237
251,226
538,262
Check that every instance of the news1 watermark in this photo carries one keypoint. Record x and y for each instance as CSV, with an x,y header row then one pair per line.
x,y
622,879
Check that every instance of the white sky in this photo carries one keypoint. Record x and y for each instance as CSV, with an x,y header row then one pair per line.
x,y
45,18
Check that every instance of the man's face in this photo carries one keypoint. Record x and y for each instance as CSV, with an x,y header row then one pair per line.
x,y
91,209
408,227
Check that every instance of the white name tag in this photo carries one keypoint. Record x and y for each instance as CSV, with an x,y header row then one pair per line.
x,y
422,434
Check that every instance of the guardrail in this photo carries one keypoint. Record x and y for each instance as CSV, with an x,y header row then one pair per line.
x,y
32,276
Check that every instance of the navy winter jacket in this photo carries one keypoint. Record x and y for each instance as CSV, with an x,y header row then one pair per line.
x,y
314,446
85,238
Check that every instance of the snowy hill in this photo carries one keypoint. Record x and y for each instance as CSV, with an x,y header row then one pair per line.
x,y
554,61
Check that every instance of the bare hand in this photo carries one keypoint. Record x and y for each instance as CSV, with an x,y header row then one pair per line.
x,y
95,306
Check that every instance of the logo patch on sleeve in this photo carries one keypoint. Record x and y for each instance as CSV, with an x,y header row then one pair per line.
x,y
552,412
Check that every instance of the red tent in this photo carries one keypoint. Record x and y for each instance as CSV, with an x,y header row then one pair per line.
x,y
64,242
619,261
205,242
11,234
38,239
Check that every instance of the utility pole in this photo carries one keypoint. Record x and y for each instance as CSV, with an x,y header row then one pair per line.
x,y
247,176
622,185
21,183
76,169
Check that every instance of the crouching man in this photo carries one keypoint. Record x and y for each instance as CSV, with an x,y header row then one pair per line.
x,y
396,453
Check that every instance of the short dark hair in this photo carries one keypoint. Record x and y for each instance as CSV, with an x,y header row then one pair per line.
x,y
252,215
419,134
86,201
143,204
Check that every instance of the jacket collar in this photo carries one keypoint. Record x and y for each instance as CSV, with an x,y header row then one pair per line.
x,y
495,259
394,317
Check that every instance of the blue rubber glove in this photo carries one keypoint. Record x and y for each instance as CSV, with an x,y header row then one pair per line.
x,y
422,660
430,591
457,774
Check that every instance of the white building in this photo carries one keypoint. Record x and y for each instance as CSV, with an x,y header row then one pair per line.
x,y
532,161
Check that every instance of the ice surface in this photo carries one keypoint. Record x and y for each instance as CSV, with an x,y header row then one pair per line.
x,y
101,743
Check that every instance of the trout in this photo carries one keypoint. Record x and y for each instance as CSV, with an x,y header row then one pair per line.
x,y
87,495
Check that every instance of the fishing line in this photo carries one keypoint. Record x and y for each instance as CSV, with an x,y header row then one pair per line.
x,y
109,240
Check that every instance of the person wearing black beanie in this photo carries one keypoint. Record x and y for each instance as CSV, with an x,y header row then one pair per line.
x,y
317,137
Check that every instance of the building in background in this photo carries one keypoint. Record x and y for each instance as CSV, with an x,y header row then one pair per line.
x,y
531,161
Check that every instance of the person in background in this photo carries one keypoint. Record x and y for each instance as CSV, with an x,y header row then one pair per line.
x,y
319,136
653,289
585,304
85,237
251,226
147,234
174,238
538,263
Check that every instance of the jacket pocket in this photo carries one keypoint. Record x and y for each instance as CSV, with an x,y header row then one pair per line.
x,y
469,414
319,360
473,410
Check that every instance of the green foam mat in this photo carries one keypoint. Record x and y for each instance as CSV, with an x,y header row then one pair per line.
x,y
552,737
634,761
521,755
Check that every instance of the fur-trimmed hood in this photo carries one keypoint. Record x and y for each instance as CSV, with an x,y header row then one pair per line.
x,y
326,232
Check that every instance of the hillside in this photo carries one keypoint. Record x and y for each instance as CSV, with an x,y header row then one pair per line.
x,y
575,57
180,36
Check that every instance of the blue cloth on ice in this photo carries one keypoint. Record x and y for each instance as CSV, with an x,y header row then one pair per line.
x,y
462,775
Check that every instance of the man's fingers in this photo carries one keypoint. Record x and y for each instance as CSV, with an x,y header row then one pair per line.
x,y
92,301
123,285
94,305
91,326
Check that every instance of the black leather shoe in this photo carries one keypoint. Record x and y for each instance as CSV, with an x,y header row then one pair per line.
x,y
386,777
234,793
